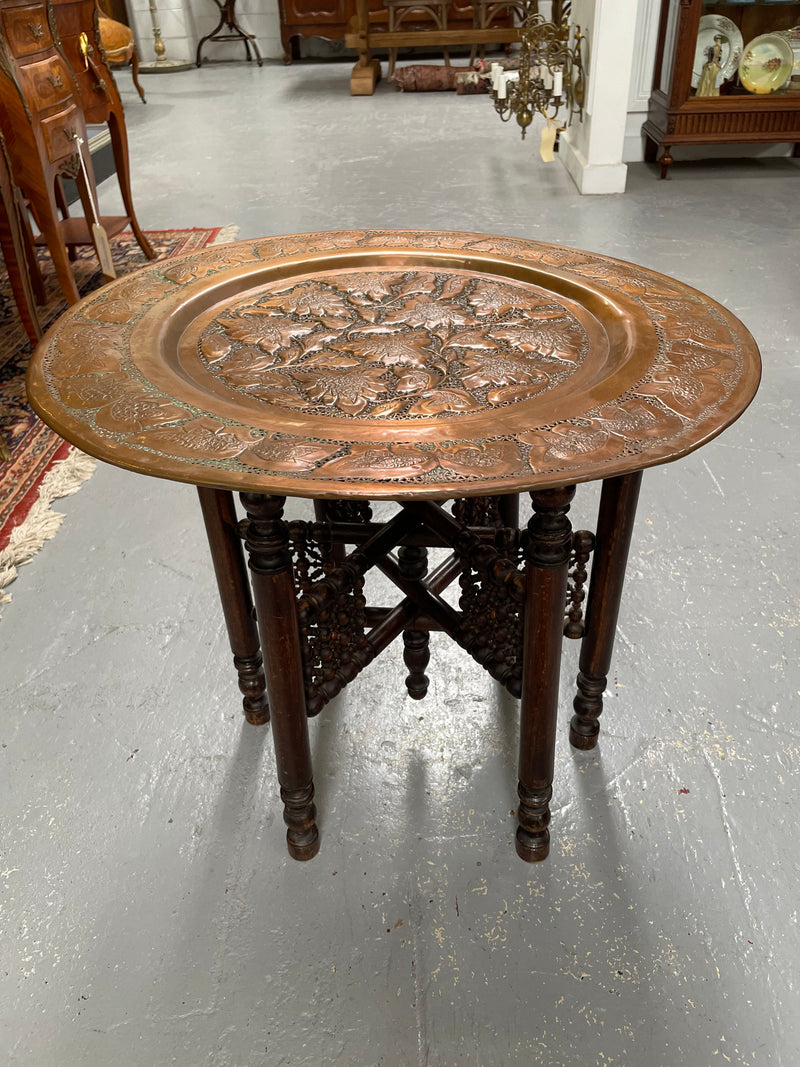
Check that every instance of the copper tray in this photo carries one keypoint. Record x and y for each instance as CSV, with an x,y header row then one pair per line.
x,y
392,365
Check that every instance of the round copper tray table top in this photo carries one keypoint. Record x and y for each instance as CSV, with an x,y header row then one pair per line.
x,y
392,365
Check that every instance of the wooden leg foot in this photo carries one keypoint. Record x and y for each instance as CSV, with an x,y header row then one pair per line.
x,y
584,728
254,688
299,814
533,814
614,533
222,527
365,77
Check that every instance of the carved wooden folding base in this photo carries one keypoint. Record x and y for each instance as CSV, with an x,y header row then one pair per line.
x,y
521,591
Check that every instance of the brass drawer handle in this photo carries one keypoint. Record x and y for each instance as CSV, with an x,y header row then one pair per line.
x,y
86,49
37,30
55,81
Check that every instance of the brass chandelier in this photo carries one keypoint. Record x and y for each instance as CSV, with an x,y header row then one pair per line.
x,y
550,79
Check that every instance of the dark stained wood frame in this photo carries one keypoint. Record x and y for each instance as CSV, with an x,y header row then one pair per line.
x,y
274,602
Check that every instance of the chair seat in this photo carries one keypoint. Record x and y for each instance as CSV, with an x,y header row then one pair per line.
x,y
117,40
119,46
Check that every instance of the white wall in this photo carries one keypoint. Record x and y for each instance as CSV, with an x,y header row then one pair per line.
x,y
184,22
641,82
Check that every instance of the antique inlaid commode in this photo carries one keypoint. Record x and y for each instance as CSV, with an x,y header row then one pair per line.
x,y
447,372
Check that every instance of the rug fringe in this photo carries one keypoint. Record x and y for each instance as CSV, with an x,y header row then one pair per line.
x,y
226,235
41,523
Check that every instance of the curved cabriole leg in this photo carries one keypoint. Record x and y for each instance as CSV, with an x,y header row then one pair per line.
x,y
219,515
119,145
547,565
43,206
135,74
614,532
267,546
413,561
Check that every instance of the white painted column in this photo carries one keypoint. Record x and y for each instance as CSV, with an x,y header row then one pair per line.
x,y
592,151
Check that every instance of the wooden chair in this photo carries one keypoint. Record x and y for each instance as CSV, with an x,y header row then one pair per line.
x,y
398,11
484,13
119,46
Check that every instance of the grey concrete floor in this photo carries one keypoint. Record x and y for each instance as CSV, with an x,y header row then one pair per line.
x,y
151,915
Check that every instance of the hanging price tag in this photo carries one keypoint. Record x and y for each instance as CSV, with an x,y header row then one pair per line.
x,y
103,249
548,140
99,235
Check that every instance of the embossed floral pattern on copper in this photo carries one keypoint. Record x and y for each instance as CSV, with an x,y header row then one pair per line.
x,y
395,344
393,364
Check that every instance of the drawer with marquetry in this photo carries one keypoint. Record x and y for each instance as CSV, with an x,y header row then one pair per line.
x,y
59,133
47,82
27,29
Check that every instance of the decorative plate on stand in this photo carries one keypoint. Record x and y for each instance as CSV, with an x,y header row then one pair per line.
x,y
766,64
793,37
712,26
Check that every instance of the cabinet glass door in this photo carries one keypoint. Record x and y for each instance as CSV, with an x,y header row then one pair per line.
x,y
747,49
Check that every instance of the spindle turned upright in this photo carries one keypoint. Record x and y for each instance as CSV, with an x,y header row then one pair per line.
x,y
446,372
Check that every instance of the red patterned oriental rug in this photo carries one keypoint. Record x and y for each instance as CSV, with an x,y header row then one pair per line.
x,y
42,467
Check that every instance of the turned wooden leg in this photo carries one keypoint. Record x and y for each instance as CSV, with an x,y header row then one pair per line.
x,y
325,511
219,515
547,564
509,509
413,561
582,546
276,609
666,161
612,543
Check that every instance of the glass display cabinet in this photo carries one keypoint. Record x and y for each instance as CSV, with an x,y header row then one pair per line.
x,y
724,73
